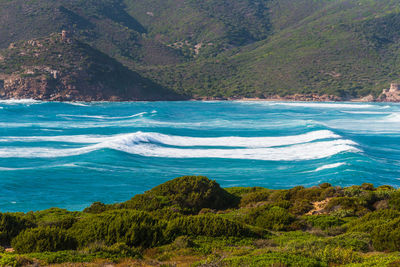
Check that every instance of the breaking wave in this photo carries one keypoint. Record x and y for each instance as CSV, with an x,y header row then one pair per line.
x,y
287,148
330,166
173,140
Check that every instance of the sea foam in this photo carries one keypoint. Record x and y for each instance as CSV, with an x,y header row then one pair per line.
x,y
330,166
173,140
148,146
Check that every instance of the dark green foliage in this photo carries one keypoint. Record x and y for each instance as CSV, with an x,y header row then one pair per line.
x,y
267,217
301,207
95,208
43,239
11,225
134,228
352,205
324,221
207,225
367,186
394,202
355,241
373,220
188,193
114,252
256,195
386,237
273,259
345,233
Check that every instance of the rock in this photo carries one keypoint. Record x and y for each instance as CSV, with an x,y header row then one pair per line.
x,y
392,94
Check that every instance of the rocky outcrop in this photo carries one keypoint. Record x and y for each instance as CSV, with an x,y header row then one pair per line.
x,y
60,68
392,94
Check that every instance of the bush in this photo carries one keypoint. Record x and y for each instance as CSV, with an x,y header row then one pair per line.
x,y
95,208
135,228
351,204
338,255
11,225
301,207
272,259
54,217
43,239
324,221
267,217
386,237
115,252
368,222
254,197
355,241
394,201
205,225
189,193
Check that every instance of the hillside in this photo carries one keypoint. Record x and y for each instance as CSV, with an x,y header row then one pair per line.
x,y
303,49
192,221
62,68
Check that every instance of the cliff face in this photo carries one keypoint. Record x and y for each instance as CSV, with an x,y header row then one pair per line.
x,y
61,69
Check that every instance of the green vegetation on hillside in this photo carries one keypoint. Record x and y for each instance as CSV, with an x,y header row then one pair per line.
x,y
191,220
243,48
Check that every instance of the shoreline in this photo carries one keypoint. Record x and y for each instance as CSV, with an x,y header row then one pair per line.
x,y
205,99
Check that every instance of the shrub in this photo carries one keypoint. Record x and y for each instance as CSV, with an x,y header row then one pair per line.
x,y
325,185
350,204
367,186
189,193
324,221
301,207
54,217
43,239
135,228
386,237
115,252
205,225
338,255
368,222
273,218
394,201
355,241
11,225
271,259
95,208
254,197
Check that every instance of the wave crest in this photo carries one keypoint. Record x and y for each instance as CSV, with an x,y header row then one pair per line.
x,y
287,148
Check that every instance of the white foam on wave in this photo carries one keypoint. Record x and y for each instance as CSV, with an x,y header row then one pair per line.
x,y
103,117
394,117
327,105
330,166
20,101
367,112
308,151
82,104
232,141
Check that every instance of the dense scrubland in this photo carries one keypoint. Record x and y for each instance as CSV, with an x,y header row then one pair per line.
x,y
229,49
191,220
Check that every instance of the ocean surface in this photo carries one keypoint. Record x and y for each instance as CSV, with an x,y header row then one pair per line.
x,y
69,155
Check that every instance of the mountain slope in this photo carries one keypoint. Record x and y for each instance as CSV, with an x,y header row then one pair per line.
x,y
303,49
61,68
342,49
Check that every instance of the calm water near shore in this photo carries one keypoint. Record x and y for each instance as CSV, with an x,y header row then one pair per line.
x,y
72,154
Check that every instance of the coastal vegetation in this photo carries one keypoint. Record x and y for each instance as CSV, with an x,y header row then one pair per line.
x,y
191,220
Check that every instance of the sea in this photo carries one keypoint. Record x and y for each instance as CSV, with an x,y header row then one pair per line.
x,y
71,154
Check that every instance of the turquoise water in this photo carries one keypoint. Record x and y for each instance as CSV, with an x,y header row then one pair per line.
x,y
69,155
